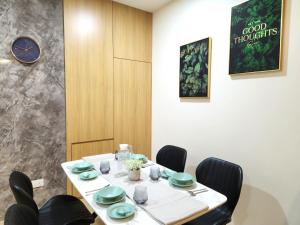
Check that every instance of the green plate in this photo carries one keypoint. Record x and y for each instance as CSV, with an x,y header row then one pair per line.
x,y
139,157
83,166
120,211
175,183
110,192
89,175
75,170
100,200
167,173
183,178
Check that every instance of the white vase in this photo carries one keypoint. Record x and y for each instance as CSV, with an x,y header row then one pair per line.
x,y
134,175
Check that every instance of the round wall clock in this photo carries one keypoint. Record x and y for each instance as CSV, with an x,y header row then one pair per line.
x,y
26,50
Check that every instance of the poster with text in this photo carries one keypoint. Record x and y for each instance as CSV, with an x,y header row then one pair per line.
x,y
255,39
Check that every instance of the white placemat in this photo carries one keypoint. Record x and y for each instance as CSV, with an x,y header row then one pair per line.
x,y
165,203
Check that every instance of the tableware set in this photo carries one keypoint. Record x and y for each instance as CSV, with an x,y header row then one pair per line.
x,y
197,191
140,195
113,195
154,172
109,195
85,170
82,167
120,211
167,173
181,180
88,175
141,157
104,166
94,190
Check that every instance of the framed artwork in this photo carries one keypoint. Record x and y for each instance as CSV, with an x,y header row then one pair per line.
x,y
194,77
255,37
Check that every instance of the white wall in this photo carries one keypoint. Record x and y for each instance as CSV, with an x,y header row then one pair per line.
x,y
252,120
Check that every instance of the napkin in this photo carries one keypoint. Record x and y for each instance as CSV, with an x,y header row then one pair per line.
x,y
97,158
176,210
92,185
165,203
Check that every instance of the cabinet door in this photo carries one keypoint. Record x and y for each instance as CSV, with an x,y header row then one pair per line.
x,y
88,76
88,70
132,104
132,33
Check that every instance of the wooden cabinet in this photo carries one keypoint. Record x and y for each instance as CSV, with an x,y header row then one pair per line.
x,y
132,105
132,33
88,70
88,75
107,77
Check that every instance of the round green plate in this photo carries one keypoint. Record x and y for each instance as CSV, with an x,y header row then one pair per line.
x,y
89,175
175,183
110,192
167,173
75,170
183,178
120,211
139,157
100,200
83,166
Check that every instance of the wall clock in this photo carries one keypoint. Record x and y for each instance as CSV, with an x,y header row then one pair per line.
x,y
26,50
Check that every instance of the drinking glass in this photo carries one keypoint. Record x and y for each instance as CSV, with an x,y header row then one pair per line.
x,y
104,166
140,195
154,172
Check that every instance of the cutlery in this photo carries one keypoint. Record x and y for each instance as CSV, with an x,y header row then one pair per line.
x,y
92,191
142,208
197,191
146,165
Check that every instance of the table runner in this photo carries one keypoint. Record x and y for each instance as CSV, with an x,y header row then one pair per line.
x,y
161,196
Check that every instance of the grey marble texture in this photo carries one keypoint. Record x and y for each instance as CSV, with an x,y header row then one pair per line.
x,y
32,100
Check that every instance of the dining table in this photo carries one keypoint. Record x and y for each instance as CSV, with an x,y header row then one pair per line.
x,y
166,203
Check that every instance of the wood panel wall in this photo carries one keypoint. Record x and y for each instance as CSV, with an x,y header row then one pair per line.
x,y
108,77
88,75
132,38
132,33
132,101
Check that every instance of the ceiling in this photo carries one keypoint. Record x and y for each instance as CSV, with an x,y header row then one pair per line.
x,y
147,5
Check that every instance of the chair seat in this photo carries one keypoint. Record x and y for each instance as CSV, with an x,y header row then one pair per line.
x,y
63,209
218,216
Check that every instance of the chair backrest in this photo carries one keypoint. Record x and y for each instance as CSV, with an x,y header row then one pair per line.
x,y
222,176
19,214
172,157
22,189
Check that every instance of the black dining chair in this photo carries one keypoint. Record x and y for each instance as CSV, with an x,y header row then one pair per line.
x,y
19,214
224,177
59,210
172,157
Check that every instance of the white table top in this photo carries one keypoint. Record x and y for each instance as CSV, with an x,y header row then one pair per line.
x,y
212,198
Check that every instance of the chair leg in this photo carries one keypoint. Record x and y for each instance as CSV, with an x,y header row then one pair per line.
x,y
94,215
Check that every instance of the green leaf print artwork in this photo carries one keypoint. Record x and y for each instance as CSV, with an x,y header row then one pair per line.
x,y
194,74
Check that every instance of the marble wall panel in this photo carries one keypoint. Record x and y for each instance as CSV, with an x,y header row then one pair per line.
x,y
32,99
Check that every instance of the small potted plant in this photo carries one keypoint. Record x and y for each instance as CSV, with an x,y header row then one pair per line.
x,y
134,169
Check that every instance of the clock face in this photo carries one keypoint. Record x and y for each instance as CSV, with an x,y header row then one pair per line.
x,y
26,50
